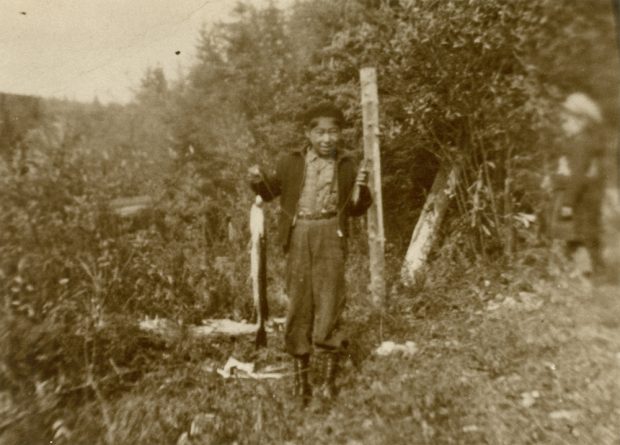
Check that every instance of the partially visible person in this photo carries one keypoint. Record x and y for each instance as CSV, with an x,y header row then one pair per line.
x,y
578,180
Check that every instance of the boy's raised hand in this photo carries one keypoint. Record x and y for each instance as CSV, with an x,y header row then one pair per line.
x,y
362,175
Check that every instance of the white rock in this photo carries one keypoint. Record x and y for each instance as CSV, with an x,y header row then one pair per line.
x,y
408,349
565,414
527,399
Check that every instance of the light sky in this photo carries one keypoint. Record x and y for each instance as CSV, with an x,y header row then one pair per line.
x,y
79,49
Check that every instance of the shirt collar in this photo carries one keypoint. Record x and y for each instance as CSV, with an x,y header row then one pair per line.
x,y
312,156
341,153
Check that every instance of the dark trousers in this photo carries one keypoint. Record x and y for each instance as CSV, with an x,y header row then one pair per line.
x,y
588,226
315,286
584,227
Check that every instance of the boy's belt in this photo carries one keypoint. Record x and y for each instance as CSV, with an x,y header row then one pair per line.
x,y
319,215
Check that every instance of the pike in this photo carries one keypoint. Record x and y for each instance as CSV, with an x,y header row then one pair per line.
x,y
258,269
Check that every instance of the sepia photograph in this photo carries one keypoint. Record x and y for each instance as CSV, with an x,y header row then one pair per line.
x,y
300,222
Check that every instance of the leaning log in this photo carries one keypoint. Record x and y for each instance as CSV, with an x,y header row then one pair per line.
x,y
427,227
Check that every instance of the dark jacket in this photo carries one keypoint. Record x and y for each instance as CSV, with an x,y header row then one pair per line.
x,y
288,180
584,154
580,188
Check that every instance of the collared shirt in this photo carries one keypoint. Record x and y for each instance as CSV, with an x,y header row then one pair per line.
x,y
320,192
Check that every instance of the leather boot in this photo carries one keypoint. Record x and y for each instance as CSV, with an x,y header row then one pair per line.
x,y
301,382
330,367
319,368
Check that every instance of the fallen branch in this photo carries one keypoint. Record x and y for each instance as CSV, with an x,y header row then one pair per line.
x,y
118,374
243,370
15,419
172,331
127,207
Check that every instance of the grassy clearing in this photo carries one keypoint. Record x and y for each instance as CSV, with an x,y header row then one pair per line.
x,y
509,360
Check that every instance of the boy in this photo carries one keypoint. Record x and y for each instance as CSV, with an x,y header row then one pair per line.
x,y
315,185
578,182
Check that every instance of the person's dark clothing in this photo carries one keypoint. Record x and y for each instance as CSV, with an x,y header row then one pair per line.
x,y
287,183
579,185
316,246
316,287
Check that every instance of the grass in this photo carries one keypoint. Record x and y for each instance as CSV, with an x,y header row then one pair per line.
x,y
512,375
507,354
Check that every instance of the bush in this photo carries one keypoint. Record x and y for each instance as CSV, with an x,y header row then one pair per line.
x,y
76,277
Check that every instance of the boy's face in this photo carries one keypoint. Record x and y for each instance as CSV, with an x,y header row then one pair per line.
x,y
324,135
572,124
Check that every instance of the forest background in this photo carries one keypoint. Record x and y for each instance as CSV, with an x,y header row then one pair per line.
x,y
473,84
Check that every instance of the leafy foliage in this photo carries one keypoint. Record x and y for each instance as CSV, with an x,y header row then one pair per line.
x,y
464,84
469,85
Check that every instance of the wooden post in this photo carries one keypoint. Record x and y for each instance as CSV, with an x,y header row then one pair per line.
x,y
428,224
376,236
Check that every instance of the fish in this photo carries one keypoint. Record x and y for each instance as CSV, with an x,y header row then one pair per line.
x,y
258,269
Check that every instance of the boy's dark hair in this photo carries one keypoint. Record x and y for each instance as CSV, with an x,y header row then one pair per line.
x,y
323,109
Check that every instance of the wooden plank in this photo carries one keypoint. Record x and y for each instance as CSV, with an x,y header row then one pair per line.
x,y
172,331
376,235
126,207
427,227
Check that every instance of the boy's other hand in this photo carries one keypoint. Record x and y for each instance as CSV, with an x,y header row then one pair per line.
x,y
254,175
362,177
566,212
